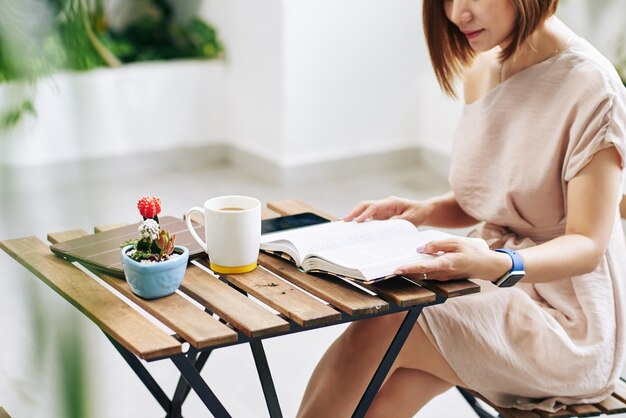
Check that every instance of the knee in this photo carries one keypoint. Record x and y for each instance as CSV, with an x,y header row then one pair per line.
x,y
372,335
386,404
379,409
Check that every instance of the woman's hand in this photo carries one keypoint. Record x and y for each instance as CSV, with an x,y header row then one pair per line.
x,y
391,207
458,258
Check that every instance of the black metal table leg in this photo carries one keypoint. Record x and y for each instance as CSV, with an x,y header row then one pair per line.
x,y
473,402
387,362
144,375
265,376
206,395
183,388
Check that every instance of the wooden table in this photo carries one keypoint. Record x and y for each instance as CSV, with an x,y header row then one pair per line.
x,y
240,320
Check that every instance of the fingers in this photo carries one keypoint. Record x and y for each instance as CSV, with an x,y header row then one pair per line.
x,y
376,209
424,272
448,245
362,212
358,210
369,212
443,267
431,269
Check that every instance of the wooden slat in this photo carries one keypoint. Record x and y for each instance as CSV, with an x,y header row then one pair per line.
x,y
286,299
620,390
506,412
115,317
242,313
3,413
448,289
584,410
342,295
109,227
563,413
267,213
451,289
293,206
191,323
402,292
516,413
612,405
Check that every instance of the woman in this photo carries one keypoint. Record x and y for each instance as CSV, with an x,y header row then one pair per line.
x,y
537,166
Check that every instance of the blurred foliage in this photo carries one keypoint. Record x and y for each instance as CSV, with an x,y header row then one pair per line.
x,y
73,374
156,36
13,116
25,28
40,37
69,45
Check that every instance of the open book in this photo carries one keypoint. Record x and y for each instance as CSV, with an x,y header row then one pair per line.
x,y
367,251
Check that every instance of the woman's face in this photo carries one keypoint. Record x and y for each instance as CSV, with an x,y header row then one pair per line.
x,y
485,23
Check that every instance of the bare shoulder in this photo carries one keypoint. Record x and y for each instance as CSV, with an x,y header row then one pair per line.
x,y
480,76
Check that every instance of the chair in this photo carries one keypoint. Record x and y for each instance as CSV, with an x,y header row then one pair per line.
x,y
615,404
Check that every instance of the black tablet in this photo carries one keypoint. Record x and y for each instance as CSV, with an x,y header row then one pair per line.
x,y
291,222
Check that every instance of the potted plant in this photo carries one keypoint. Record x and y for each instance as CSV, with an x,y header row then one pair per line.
x,y
154,266
61,37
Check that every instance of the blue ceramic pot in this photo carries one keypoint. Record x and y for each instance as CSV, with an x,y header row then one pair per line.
x,y
155,280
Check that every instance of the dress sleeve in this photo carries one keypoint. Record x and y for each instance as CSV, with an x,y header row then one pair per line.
x,y
597,127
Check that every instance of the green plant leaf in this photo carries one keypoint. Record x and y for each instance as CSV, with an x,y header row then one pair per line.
x,y
14,116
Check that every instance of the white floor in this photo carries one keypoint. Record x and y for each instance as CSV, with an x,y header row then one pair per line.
x,y
73,196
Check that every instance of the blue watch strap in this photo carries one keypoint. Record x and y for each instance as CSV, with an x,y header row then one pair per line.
x,y
518,261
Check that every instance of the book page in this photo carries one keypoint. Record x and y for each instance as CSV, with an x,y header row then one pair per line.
x,y
382,251
375,259
318,239
366,250
370,272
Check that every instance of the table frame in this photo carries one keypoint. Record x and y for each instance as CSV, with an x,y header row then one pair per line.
x,y
58,275
191,364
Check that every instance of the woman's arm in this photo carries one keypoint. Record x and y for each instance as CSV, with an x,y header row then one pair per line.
x,y
442,211
593,197
591,209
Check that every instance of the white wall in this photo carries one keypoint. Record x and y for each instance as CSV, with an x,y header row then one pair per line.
x,y
252,33
313,81
601,22
129,110
351,77
304,81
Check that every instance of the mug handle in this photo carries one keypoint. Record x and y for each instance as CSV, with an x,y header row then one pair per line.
x,y
192,230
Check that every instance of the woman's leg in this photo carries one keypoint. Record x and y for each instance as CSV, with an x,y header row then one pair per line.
x,y
405,393
345,370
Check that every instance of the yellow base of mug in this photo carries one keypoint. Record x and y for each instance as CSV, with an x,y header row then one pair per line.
x,y
232,270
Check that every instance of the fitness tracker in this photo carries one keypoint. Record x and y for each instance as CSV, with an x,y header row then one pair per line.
x,y
517,271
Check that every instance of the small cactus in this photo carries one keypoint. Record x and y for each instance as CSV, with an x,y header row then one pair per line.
x,y
149,207
154,243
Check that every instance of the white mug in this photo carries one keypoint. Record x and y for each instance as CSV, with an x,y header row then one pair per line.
x,y
232,226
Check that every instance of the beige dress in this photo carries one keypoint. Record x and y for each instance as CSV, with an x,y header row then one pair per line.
x,y
516,148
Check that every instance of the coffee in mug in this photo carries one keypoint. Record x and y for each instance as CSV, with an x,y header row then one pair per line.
x,y
232,226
